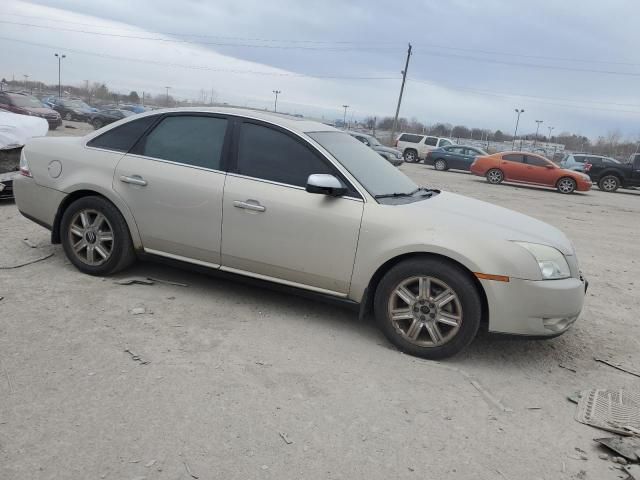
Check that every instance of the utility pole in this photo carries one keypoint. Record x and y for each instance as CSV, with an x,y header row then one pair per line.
x,y
143,98
344,118
26,84
550,130
515,134
375,121
535,140
404,79
275,103
167,98
60,57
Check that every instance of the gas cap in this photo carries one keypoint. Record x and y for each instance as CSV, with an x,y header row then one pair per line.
x,y
55,168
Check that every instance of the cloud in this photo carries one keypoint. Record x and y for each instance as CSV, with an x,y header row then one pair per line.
x,y
455,45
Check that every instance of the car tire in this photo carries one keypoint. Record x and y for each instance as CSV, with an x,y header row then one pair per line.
x,y
406,310
68,116
97,124
410,156
609,183
440,165
566,185
86,240
52,127
495,176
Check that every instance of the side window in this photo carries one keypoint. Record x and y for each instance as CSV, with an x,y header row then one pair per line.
x,y
124,137
457,150
636,162
579,158
431,141
407,137
269,154
514,157
192,140
536,161
363,140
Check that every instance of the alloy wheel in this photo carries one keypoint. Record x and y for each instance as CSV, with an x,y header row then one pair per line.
x,y
494,176
425,311
566,185
410,156
440,165
91,237
609,184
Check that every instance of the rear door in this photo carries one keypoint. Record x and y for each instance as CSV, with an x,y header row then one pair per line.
x,y
273,228
540,170
455,157
173,182
512,164
635,173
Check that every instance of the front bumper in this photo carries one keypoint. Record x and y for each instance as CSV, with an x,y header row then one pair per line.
x,y
544,308
6,185
54,122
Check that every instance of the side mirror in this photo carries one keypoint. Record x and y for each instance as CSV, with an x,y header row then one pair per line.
x,y
325,184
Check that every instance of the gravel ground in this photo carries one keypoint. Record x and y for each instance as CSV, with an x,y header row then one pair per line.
x,y
233,368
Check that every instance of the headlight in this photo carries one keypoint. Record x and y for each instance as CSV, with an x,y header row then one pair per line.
x,y
553,265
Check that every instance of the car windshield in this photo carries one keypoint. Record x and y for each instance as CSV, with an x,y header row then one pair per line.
x,y
373,172
26,101
76,104
373,141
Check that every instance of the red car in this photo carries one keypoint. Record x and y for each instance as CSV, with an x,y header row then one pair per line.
x,y
525,167
25,104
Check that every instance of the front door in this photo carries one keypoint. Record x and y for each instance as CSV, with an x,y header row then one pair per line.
x,y
173,183
273,228
541,171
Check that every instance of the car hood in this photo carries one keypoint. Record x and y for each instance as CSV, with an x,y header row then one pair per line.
x,y
382,148
40,110
475,217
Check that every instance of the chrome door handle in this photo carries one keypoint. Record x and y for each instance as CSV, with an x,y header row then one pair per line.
x,y
134,180
249,205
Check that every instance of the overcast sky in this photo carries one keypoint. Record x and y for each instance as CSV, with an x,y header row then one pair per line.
x,y
573,63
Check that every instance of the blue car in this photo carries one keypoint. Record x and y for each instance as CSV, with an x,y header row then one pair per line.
x,y
458,157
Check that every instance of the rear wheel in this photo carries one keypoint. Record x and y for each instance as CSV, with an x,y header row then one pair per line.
x,y
410,155
609,183
495,176
96,124
440,165
95,237
566,185
68,116
428,307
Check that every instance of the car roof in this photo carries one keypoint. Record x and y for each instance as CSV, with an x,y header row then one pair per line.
x,y
290,122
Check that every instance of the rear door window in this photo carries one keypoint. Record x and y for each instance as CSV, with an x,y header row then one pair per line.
x,y
123,137
407,137
189,139
514,157
431,141
536,161
579,158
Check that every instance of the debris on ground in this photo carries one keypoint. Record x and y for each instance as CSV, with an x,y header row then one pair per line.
x,y
617,366
138,311
134,280
191,474
27,263
71,127
627,447
136,358
168,282
568,368
285,438
1,298
150,464
633,471
29,243
611,410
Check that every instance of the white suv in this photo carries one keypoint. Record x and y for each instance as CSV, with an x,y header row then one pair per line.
x,y
415,147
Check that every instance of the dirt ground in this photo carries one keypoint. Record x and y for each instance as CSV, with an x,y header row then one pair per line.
x,y
244,382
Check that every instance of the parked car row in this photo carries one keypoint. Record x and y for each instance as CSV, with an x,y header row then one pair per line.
x,y
25,104
392,155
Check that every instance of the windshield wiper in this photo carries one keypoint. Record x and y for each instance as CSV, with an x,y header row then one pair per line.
x,y
402,194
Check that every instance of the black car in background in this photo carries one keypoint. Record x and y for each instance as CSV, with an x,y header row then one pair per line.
x,y
110,115
72,108
458,157
610,177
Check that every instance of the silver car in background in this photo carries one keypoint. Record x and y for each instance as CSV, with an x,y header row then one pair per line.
x,y
301,204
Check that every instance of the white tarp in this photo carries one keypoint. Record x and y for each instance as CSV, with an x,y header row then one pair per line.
x,y
16,129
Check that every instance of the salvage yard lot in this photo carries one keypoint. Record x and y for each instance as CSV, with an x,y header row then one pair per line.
x,y
233,366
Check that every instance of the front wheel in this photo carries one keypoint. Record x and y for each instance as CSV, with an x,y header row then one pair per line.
x,y
429,308
95,237
495,176
97,124
566,185
410,156
68,116
609,183
440,165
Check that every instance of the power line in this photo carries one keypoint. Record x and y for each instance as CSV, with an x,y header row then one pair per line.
x,y
530,65
200,67
533,98
192,42
524,55
181,34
